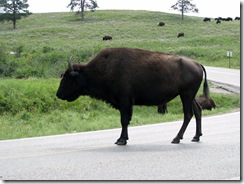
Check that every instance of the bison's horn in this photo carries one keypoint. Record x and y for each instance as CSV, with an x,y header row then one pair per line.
x,y
70,64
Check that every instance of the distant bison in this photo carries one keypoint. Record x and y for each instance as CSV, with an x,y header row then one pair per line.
x,y
207,19
161,24
180,35
205,102
237,18
218,21
107,38
124,77
219,18
229,19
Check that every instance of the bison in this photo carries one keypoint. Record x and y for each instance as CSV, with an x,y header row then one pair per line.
x,y
207,19
229,19
180,35
218,21
205,102
161,24
107,38
124,77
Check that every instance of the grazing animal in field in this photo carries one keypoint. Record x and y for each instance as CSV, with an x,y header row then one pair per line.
x,y
205,102
161,24
180,35
229,19
218,22
237,18
219,18
207,19
124,77
107,38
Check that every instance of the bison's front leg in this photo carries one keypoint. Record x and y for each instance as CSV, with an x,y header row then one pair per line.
x,y
126,114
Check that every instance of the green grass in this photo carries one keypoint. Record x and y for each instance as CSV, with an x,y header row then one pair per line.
x,y
29,107
47,40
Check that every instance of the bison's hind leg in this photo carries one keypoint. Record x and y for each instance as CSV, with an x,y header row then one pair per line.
x,y
187,101
198,115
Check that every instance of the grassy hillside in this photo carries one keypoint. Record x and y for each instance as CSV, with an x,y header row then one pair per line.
x,y
45,41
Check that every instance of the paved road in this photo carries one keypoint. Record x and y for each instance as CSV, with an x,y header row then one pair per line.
x,y
224,75
149,154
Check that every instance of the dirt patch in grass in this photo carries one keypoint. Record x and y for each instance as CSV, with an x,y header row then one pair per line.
x,y
224,88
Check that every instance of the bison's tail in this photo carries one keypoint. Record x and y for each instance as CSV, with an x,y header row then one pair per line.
x,y
205,84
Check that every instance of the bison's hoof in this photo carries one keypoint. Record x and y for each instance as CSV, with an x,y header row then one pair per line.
x,y
175,141
121,142
195,139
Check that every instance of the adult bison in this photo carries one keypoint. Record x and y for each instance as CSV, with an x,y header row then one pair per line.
x,y
180,35
206,19
124,77
161,24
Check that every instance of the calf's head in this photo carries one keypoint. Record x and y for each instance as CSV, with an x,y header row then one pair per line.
x,y
72,84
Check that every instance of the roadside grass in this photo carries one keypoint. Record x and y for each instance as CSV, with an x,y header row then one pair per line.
x,y
29,108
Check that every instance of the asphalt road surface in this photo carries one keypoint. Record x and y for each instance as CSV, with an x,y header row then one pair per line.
x,y
149,154
223,75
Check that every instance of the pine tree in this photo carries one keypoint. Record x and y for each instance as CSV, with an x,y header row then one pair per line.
x,y
184,6
13,10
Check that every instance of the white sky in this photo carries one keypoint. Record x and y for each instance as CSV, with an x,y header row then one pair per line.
x,y
207,8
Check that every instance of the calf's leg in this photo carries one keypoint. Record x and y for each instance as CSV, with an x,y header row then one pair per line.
x,y
198,115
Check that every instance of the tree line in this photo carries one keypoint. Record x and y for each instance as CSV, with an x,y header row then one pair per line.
x,y
14,10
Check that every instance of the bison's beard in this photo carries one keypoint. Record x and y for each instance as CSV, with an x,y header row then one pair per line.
x,y
72,98
69,98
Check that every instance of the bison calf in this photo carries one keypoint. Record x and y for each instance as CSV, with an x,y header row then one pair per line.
x,y
204,102
124,77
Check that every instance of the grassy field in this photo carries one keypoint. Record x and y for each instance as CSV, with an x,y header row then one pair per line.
x,y
43,42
